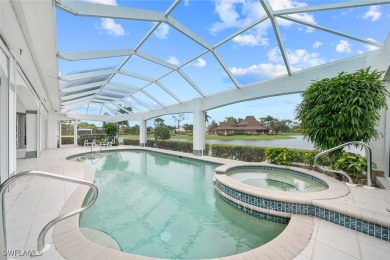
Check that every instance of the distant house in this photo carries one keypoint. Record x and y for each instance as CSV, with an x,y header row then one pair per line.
x,y
248,126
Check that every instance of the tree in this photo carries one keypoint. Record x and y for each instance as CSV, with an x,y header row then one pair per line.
x,y
207,118
188,127
269,122
134,130
212,126
178,119
342,109
162,132
232,121
123,109
111,129
281,126
86,125
158,122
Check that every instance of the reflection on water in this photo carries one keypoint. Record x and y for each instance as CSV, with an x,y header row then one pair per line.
x,y
276,180
169,209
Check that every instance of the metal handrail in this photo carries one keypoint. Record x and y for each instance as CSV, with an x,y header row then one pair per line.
x,y
368,155
42,234
97,146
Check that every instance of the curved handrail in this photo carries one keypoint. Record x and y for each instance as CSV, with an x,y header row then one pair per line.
x,y
42,234
97,146
368,154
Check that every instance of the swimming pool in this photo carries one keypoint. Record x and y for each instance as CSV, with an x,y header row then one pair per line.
x,y
279,179
164,206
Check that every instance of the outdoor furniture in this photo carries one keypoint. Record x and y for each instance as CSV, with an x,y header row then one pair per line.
x,y
89,141
108,142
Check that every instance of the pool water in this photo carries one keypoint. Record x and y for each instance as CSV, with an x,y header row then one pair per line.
x,y
162,206
276,180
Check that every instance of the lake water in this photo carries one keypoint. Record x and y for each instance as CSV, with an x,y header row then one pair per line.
x,y
299,142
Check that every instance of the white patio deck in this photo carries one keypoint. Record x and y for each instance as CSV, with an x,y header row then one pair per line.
x,y
34,201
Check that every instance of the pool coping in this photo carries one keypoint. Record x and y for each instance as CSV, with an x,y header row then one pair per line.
x,y
336,189
71,244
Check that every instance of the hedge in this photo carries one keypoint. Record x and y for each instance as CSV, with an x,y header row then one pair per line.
x,y
180,146
67,140
238,152
131,142
276,155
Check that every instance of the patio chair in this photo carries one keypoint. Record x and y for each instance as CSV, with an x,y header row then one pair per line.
x,y
89,141
108,142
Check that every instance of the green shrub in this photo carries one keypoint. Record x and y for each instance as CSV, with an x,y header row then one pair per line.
x,y
308,158
134,142
344,108
67,140
116,142
162,132
111,129
238,152
179,146
281,156
353,164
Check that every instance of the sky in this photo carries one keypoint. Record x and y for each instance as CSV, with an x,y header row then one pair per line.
x,y
252,56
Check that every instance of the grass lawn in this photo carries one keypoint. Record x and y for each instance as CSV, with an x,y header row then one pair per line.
x,y
233,137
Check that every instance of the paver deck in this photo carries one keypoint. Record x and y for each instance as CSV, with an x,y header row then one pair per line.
x,y
34,201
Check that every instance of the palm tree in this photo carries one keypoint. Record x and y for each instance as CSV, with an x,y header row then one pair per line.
x,y
206,117
270,121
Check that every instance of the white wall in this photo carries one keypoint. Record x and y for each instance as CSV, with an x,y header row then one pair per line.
x,y
28,29
19,106
31,134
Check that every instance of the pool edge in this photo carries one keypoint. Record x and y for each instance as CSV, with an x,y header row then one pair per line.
x,y
71,244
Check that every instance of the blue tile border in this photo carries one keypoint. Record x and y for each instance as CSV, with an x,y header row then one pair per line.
x,y
272,168
260,215
360,225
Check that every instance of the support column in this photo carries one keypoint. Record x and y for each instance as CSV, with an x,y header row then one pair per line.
x,y
387,138
52,130
7,117
31,134
75,134
143,133
199,133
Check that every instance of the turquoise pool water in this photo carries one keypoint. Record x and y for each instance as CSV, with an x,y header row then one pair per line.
x,y
276,180
162,206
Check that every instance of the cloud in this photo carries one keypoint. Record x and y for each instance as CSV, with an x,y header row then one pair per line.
x,y
343,47
274,55
200,63
298,59
228,15
104,2
373,13
263,69
303,59
344,13
107,24
254,38
186,2
317,44
239,13
162,31
111,27
173,60
287,4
